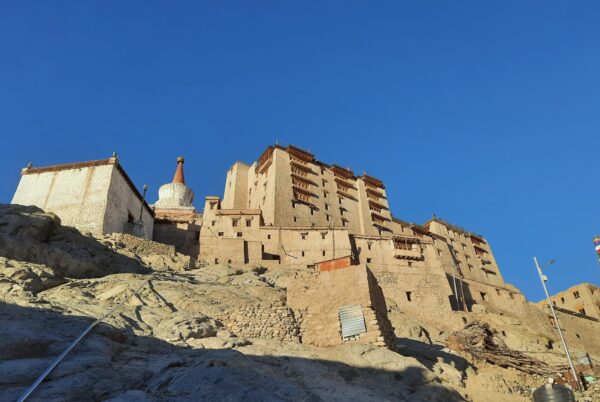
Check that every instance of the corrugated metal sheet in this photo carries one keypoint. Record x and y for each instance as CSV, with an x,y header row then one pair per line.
x,y
352,320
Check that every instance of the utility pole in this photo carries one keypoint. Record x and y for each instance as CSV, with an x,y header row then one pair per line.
x,y
544,278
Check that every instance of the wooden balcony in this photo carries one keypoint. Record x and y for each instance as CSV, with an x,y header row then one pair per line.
x,y
301,165
303,179
416,253
343,183
346,195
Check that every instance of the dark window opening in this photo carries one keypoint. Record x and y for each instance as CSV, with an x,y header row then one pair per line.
x,y
408,296
221,234
239,234
483,295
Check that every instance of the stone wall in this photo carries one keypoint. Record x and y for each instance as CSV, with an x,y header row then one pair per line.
x,y
263,320
184,236
316,299
124,204
77,195
95,197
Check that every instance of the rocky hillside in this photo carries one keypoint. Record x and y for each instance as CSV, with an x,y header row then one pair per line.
x,y
200,333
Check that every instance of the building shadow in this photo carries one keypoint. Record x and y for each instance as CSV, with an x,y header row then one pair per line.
x,y
115,364
429,354
27,235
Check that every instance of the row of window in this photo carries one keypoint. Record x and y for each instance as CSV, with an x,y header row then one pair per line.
x,y
235,222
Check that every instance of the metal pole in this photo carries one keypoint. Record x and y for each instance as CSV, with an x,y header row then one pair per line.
x,y
562,338
143,200
65,352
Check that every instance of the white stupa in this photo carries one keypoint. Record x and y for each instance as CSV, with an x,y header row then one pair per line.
x,y
175,195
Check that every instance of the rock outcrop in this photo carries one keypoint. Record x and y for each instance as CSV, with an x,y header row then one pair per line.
x,y
196,333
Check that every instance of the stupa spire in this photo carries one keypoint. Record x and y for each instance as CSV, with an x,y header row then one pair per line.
x,y
179,178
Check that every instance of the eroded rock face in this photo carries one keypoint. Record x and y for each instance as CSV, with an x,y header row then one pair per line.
x,y
190,333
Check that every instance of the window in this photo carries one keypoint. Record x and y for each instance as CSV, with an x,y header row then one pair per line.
x,y
340,199
234,222
410,263
470,267
268,237
562,300
303,254
248,222
221,234
325,194
324,253
344,222
303,235
512,295
576,294
368,260
213,223
581,310
239,234
324,182
212,205
483,295
312,211
369,244
409,296
498,292
323,235
293,204
295,220
326,207
327,217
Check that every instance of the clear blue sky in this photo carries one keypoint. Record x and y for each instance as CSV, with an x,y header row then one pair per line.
x,y
485,113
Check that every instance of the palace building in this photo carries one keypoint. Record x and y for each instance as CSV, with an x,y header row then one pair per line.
x,y
285,210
